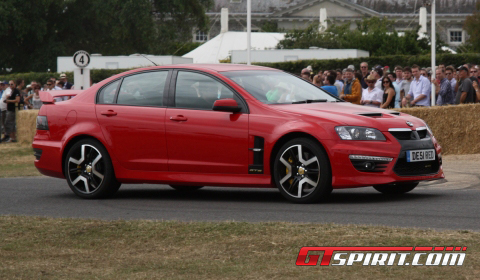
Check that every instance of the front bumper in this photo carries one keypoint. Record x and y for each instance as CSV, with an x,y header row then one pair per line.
x,y
346,175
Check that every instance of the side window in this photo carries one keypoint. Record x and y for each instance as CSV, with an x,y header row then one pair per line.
x,y
199,91
144,89
107,95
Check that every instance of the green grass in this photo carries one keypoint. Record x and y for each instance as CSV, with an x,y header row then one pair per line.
x,y
32,247
17,160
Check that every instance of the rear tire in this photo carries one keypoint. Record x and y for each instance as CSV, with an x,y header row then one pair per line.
x,y
89,170
186,188
396,188
302,172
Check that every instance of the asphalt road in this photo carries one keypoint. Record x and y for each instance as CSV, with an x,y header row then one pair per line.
x,y
428,206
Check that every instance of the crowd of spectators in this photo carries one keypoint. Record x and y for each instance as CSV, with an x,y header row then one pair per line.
x,y
14,96
400,87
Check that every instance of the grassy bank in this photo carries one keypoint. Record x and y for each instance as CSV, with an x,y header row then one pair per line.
x,y
73,248
17,160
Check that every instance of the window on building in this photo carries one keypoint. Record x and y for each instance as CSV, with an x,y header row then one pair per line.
x,y
456,36
201,36
236,1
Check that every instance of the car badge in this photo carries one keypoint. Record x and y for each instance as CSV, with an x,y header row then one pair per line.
x,y
409,124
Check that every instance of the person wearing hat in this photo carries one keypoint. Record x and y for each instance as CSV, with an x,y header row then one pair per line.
x,y
465,92
352,91
371,96
66,84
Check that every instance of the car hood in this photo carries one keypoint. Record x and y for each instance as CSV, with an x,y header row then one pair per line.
x,y
344,113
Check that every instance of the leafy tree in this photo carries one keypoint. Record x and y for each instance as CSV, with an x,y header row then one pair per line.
x,y
376,35
36,32
471,27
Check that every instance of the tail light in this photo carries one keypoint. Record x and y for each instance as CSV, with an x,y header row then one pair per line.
x,y
42,123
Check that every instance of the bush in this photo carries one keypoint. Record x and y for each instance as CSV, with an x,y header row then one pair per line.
x,y
392,61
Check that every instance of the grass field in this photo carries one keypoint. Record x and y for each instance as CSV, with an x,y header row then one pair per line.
x,y
33,247
17,160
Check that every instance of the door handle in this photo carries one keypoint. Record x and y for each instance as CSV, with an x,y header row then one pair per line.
x,y
179,118
109,113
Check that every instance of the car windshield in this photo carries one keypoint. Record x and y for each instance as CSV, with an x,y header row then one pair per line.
x,y
274,87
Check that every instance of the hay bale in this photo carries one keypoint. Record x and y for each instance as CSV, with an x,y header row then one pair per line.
x,y
456,127
26,126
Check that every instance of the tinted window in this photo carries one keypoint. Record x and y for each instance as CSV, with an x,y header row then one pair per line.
x,y
145,89
107,95
278,87
199,91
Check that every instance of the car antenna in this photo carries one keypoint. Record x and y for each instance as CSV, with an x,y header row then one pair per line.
x,y
145,58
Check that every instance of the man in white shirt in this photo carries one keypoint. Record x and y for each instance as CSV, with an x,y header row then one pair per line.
x,y
378,73
3,109
371,96
419,93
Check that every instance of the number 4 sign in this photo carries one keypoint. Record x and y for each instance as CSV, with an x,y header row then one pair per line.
x,y
81,59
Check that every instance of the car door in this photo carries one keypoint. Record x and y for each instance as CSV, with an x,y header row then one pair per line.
x,y
199,139
131,113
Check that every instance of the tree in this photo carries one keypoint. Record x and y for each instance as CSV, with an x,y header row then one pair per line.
x,y
375,35
36,32
471,27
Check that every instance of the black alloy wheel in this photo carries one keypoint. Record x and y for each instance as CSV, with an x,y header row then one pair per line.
x,y
302,171
89,170
398,188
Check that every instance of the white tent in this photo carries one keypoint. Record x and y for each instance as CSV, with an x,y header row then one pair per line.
x,y
221,46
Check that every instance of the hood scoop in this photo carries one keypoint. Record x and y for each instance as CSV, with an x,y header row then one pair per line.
x,y
371,115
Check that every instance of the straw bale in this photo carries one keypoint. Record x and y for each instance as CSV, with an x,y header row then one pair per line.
x,y
456,127
26,125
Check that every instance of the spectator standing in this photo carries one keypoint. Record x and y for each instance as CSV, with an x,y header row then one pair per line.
x,y
3,108
305,74
352,91
443,88
317,80
450,75
364,71
378,73
393,77
388,94
33,101
465,92
474,78
419,93
2,89
477,90
20,85
339,80
11,101
371,96
399,74
50,86
407,81
63,78
329,85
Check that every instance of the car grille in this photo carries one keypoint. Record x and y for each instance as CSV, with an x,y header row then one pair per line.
x,y
409,135
404,168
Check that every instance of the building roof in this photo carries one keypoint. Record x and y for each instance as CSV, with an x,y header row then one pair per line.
x,y
379,6
220,46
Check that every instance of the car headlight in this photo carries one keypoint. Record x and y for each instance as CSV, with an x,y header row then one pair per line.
x,y
359,133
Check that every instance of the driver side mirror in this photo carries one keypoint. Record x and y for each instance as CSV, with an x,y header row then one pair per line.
x,y
226,105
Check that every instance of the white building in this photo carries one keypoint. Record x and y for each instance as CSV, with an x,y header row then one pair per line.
x,y
295,54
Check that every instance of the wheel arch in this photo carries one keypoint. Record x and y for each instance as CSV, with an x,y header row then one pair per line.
x,y
287,137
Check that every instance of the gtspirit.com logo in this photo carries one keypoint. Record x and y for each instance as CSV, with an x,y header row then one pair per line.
x,y
402,256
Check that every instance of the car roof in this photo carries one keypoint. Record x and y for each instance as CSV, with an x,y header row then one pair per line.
x,y
218,67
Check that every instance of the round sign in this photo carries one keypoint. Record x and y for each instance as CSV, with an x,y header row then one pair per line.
x,y
81,59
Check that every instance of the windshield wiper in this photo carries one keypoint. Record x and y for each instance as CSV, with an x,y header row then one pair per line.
x,y
310,101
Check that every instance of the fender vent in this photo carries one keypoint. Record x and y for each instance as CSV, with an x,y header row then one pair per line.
x,y
257,166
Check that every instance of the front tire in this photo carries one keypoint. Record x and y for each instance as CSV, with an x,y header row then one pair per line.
x,y
89,170
302,171
396,188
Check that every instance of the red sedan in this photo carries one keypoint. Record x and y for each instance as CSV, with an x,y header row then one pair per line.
x,y
228,125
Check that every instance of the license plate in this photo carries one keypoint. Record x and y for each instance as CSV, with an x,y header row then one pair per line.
x,y
420,155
